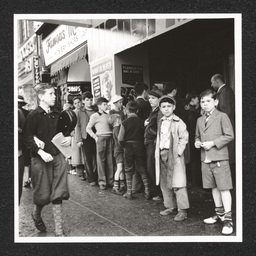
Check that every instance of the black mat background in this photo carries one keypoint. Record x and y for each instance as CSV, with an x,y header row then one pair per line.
x,y
8,8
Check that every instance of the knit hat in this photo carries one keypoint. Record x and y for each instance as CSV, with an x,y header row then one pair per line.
x,y
116,98
157,93
172,99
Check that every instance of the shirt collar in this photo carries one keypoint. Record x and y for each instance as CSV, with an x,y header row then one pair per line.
x,y
46,110
209,113
220,87
140,97
167,118
41,110
132,115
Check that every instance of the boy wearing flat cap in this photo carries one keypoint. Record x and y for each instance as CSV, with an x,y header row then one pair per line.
x,y
172,137
117,100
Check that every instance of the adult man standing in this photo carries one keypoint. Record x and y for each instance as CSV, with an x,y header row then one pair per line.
x,y
226,98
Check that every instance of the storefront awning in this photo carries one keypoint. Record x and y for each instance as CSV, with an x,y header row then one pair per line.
x,y
68,60
79,72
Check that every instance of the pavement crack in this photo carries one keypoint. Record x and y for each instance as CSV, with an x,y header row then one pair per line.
x,y
113,223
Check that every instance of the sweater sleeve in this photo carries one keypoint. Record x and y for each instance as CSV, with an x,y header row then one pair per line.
x,y
78,128
91,124
30,127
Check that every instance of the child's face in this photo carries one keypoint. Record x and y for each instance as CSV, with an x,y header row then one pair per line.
x,y
194,101
119,104
153,101
167,108
48,97
103,106
77,103
87,102
208,103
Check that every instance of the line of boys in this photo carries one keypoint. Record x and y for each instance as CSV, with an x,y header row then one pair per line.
x,y
171,140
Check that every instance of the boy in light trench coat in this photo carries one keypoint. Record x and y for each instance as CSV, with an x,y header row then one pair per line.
x,y
172,137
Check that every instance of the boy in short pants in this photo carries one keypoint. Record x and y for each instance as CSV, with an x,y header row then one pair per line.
x,y
213,133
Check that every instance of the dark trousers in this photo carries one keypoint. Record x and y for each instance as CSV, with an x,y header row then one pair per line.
x,y
105,165
49,180
21,172
134,153
150,149
89,147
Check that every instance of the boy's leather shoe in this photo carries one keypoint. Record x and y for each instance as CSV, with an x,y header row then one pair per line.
x,y
39,223
227,227
168,211
182,215
214,219
128,196
117,191
103,187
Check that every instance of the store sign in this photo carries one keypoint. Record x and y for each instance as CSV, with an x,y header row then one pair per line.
x,y
27,49
36,70
61,41
103,79
96,87
74,89
28,64
132,74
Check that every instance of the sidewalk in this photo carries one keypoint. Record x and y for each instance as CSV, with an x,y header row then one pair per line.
x,y
91,212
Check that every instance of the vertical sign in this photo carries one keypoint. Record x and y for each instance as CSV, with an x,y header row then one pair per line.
x,y
36,70
103,79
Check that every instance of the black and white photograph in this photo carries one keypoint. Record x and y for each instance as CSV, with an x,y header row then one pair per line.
x,y
128,128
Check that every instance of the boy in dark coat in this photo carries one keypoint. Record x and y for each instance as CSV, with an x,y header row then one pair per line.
x,y
48,165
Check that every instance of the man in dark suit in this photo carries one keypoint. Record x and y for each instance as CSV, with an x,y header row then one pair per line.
x,y
225,96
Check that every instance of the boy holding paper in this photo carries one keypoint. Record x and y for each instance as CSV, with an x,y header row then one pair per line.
x,y
48,165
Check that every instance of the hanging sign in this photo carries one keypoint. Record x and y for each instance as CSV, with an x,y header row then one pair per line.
x,y
61,41
36,69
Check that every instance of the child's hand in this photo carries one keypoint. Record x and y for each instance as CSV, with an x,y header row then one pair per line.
x,y
66,142
207,145
39,143
45,156
146,122
80,144
198,144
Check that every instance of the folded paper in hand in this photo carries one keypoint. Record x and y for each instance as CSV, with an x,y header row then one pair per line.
x,y
57,140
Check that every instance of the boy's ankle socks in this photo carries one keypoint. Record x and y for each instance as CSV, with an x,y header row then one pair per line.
x,y
122,183
228,216
220,211
116,184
